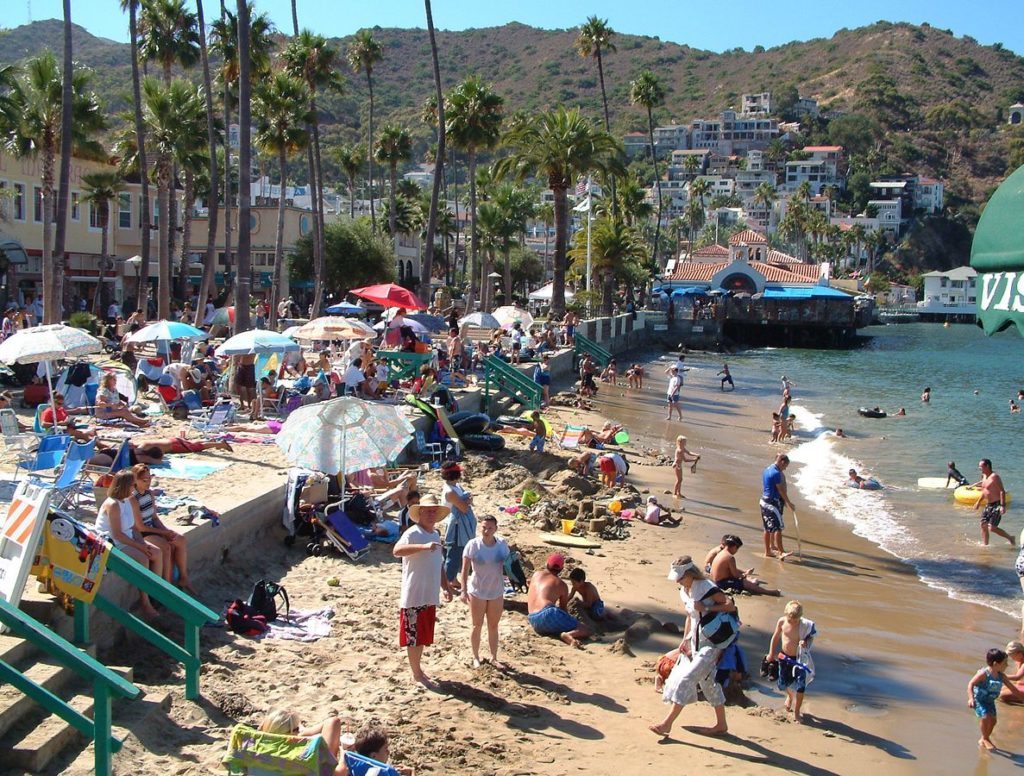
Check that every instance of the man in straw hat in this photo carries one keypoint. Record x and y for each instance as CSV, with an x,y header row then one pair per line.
x,y
422,576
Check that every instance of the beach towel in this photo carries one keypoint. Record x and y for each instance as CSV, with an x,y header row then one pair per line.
x,y
181,467
300,625
247,439
254,753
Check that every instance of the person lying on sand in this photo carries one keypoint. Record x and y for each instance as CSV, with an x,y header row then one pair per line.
x,y
547,602
587,592
727,576
605,436
285,722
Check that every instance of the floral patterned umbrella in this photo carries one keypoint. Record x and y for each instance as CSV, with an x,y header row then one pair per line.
x,y
344,435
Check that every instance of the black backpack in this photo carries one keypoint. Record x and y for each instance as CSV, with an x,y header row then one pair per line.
x,y
263,599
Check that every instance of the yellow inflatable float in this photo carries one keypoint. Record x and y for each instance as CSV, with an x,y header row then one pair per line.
x,y
968,495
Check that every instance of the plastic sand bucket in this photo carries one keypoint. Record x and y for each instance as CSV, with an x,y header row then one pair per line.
x,y
529,498
615,507
567,526
622,438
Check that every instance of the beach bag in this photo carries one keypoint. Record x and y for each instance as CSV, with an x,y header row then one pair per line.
x,y
514,571
242,618
263,599
359,509
718,628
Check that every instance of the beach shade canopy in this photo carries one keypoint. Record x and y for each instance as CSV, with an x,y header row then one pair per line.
x,y
543,294
46,344
344,435
257,342
481,321
509,314
330,327
389,295
224,316
163,331
416,326
431,323
344,308
997,254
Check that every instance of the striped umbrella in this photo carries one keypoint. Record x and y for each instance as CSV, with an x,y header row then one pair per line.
x,y
331,327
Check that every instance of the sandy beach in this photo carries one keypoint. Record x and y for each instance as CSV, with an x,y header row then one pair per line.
x,y
893,656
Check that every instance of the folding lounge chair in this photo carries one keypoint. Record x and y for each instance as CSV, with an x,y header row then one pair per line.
x,y
14,437
47,457
70,484
432,450
571,437
254,753
341,532
220,414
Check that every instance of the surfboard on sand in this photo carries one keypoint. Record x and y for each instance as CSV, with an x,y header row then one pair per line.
x,y
935,482
567,540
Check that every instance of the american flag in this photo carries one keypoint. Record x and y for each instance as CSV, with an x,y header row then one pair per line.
x,y
582,185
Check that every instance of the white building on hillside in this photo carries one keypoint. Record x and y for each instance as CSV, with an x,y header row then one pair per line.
x,y
757,104
950,292
674,137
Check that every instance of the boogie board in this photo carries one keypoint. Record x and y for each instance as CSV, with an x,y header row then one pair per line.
x,y
567,540
935,482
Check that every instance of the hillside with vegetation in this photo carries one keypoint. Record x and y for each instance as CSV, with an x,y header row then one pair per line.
x,y
899,97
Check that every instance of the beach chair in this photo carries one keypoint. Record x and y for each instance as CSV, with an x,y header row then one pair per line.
x,y
69,487
432,450
343,534
14,438
361,765
570,439
213,421
47,457
254,753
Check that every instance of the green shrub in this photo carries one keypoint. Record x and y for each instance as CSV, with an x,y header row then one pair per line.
x,y
86,321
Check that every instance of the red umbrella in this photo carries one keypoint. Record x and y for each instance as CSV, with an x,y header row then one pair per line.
x,y
390,295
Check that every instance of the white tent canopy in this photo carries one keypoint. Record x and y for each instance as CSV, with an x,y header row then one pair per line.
x,y
543,294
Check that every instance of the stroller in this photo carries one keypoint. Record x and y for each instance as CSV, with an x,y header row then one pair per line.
x,y
331,526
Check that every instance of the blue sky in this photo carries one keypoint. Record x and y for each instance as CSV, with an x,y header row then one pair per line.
x,y
715,26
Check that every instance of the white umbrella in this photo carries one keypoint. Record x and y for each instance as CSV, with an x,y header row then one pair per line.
x,y
333,328
509,314
344,435
48,343
290,331
165,331
416,326
481,320
256,342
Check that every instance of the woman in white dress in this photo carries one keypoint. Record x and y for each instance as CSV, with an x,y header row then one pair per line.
x,y
484,591
706,636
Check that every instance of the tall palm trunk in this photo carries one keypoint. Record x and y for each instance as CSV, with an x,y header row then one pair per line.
x,y
657,187
228,262
318,222
473,242
318,259
607,124
369,148
275,288
561,240
145,219
186,235
393,199
352,197
213,209
104,233
428,249
244,281
506,249
295,19
51,298
65,173
163,185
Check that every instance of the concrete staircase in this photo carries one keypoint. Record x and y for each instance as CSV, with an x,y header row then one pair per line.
x,y
35,741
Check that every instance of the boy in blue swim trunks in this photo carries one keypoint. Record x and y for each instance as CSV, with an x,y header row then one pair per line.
x,y
547,602
587,591
791,647
983,692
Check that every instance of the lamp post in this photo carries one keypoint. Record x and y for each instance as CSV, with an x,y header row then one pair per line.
x,y
495,278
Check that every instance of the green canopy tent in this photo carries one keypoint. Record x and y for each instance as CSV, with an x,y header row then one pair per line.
x,y
997,254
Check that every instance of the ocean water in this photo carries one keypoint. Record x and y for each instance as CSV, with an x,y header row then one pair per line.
x,y
972,378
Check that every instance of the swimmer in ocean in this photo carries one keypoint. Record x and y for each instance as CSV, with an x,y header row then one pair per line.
x,y
954,475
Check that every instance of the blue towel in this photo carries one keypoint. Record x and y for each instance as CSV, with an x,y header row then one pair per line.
x,y
185,468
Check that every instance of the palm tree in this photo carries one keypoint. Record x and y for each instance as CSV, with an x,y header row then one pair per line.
x,y
190,158
213,197
595,40
393,146
351,159
516,206
8,101
170,35
803,192
546,214
633,204
100,189
491,233
691,164
473,113
765,196
645,90
282,106
699,190
435,195
244,279
559,145
613,246
694,218
39,99
363,54
312,60
64,179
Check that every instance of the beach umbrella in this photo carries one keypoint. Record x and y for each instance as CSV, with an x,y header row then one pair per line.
x,y
290,331
481,321
431,322
416,326
224,316
46,344
164,331
333,328
389,295
344,435
256,342
509,314
344,308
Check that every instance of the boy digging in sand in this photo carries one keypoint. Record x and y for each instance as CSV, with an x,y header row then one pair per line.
x,y
791,647
587,591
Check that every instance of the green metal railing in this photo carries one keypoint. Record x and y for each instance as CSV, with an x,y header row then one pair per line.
x,y
513,382
104,681
191,611
404,365
586,345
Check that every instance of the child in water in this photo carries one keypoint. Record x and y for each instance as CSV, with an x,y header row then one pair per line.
x,y
983,691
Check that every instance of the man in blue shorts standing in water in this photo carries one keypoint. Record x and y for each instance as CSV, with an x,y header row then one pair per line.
x,y
773,498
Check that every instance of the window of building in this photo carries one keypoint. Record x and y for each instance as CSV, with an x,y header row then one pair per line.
x,y
124,210
37,204
94,216
76,207
19,201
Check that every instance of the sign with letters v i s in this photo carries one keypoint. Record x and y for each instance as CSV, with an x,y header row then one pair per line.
x,y
997,254
22,526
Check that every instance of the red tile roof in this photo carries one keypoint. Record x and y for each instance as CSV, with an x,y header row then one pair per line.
x,y
748,237
812,149
774,274
778,257
697,271
712,250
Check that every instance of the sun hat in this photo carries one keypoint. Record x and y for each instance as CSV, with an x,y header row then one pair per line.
x,y
555,561
429,504
678,570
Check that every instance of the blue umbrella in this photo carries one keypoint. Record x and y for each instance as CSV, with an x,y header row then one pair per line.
x,y
256,342
345,309
168,331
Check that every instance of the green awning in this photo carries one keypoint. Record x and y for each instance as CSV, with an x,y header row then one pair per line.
x,y
998,256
